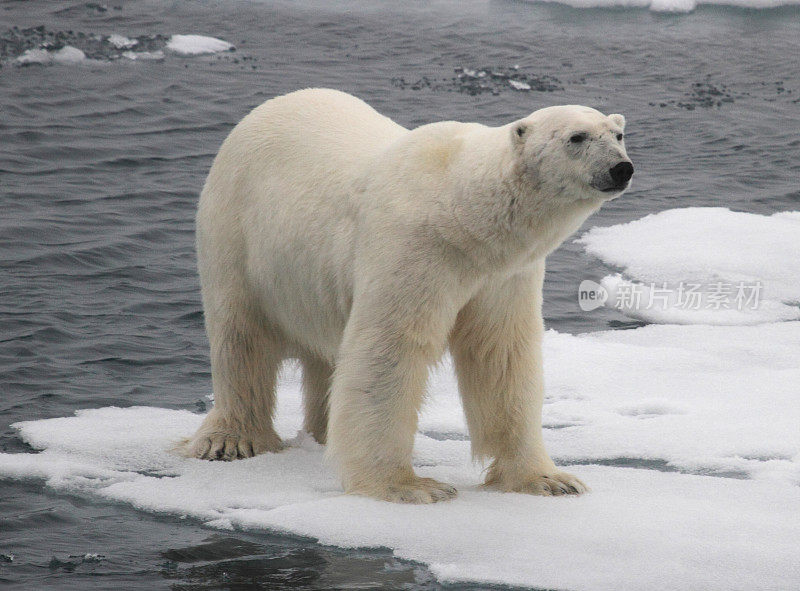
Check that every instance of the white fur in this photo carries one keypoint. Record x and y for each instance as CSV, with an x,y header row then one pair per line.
x,y
329,233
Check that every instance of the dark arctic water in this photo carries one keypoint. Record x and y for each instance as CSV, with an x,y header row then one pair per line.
x,y
101,164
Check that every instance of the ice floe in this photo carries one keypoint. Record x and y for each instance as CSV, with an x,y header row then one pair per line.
x,y
64,55
121,42
674,5
143,55
40,45
689,401
702,265
197,44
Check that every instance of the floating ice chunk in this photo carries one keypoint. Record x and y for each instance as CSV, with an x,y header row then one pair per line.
x,y
197,44
719,400
678,531
65,55
122,42
34,56
519,85
68,55
673,5
702,265
143,55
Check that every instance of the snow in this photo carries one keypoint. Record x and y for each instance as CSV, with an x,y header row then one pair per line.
x,y
143,55
674,5
121,42
690,401
724,254
65,55
197,44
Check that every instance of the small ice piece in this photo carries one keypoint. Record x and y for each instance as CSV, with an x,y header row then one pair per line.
x,y
518,85
121,42
197,44
143,55
65,55
674,5
34,56
68,55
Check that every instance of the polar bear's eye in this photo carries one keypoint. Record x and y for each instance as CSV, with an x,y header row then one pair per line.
x,y
577,138
619,137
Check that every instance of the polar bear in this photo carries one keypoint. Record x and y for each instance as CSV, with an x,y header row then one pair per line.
x,y
328,233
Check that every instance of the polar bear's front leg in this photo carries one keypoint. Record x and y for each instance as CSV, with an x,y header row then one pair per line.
x,y
497,351
377,391
245,358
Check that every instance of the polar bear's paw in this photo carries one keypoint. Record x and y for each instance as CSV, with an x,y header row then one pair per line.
x,y
229,446
419,491
553,485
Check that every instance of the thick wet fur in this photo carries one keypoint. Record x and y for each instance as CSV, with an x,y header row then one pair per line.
x,y
328,233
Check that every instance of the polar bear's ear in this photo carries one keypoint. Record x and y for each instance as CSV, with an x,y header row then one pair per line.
x,y
618,120
519,132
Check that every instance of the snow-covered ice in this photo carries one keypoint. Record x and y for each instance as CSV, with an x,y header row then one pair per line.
x,y
65,55
697,400
122,42
743,268
102,48
673,5
197,44
143,55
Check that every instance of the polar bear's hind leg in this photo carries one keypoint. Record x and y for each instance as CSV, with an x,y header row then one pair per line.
x,y
317,375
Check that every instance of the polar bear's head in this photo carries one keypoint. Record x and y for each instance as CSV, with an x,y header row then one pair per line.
x,y
573,152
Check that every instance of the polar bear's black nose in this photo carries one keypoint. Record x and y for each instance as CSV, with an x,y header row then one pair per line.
x,y
621,173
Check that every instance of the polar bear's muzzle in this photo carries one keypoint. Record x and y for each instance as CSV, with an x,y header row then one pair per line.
x,y
616,179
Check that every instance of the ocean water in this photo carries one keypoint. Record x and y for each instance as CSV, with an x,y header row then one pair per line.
x,y
103,154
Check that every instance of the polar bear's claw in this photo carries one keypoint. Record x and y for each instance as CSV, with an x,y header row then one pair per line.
x,y
420,491
554,485
228,447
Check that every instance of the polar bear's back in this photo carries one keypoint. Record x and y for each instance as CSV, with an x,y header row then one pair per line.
x,y
315,142
319,130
